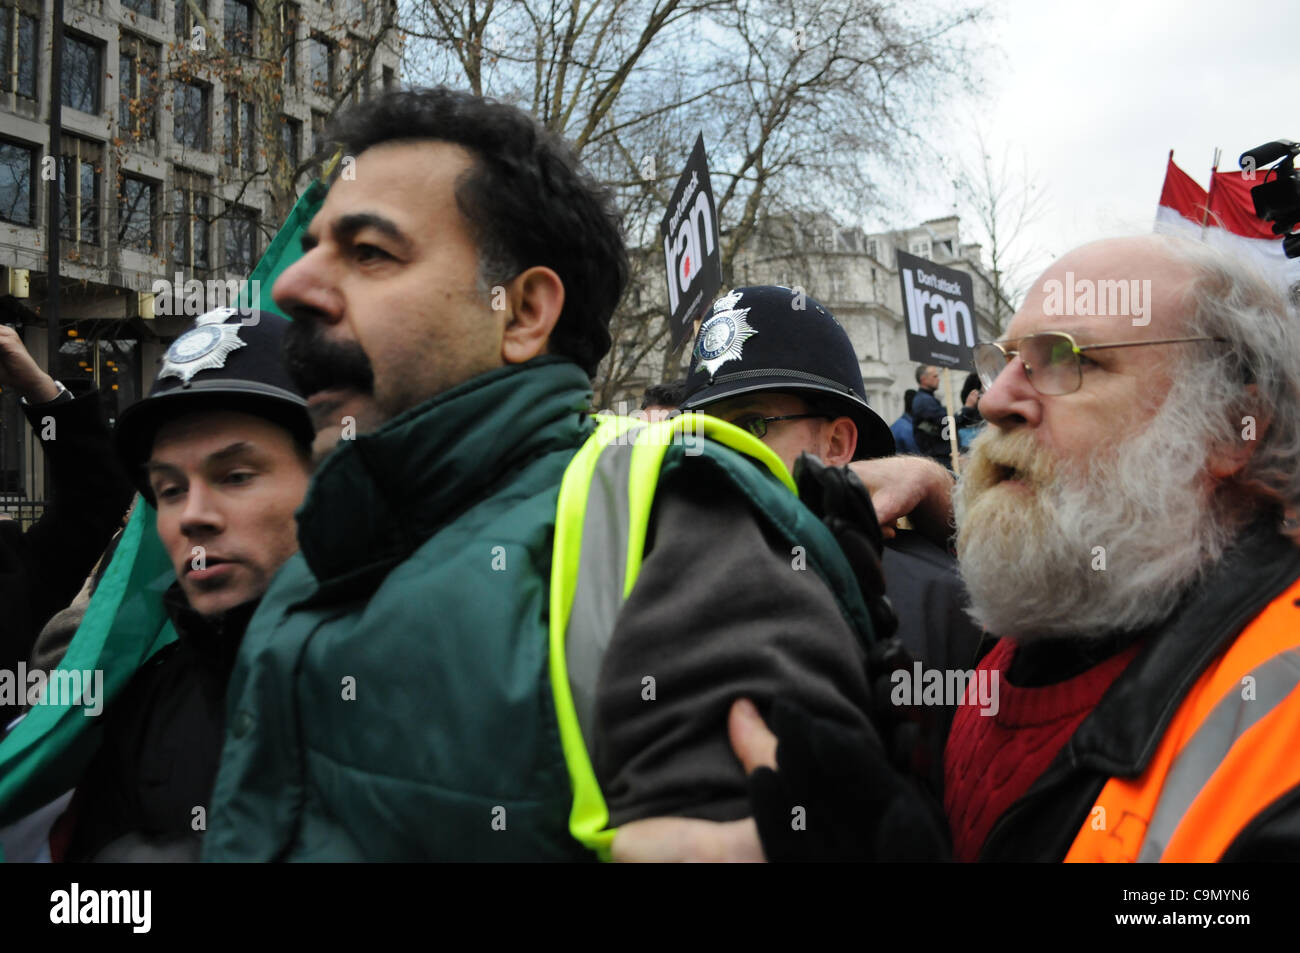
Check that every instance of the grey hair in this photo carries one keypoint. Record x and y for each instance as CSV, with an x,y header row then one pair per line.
x,y
1230,298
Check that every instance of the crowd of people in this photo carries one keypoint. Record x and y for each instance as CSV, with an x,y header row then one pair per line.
x,y
428,606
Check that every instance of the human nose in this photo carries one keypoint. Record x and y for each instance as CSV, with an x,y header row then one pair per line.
x,y
305,291
1010,400
202,515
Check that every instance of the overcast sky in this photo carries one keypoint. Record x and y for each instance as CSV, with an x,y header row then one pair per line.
x,y
1097,92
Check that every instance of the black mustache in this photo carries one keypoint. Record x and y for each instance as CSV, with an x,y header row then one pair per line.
x,y
316,363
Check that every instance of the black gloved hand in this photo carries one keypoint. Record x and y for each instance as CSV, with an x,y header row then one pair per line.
x,y
838,497
842,502
836,797
911,733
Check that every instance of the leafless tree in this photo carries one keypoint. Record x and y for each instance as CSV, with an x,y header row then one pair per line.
x,y
1003,199
804,105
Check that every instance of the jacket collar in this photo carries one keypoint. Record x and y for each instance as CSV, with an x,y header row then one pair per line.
x,y
377,498
214,642
1122,732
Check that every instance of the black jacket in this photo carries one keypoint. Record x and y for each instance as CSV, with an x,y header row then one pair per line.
x,y
162,737
928,596
930,601
928,417
41,570
711,567
1120,735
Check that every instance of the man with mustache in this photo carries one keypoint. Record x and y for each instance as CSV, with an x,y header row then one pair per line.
x,y
221,449
1127,524
435,675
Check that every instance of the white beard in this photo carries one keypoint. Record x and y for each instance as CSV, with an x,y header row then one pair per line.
x,y
1032,561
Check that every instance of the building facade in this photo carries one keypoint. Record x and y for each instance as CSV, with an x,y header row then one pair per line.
x,y
188,128
855,274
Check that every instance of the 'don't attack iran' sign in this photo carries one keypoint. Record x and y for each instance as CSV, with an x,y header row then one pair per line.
x,y
939,304
692,256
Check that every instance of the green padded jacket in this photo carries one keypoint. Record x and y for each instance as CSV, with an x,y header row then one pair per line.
x,y
392,698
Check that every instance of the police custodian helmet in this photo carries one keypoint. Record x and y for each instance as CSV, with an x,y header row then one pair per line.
x,y
769,338
229,360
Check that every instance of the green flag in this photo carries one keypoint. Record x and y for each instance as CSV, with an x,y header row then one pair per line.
x,y
125,623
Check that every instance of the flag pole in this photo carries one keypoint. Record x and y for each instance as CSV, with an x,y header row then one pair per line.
x,y
952,418
1214,168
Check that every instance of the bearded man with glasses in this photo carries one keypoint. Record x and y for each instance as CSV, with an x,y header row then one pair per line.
x,y
1120,525
1126,524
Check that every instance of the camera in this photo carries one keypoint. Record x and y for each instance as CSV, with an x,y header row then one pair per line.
x,y
1277,198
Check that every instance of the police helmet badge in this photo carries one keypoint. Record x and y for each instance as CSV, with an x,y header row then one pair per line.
x,y
203,347
723,335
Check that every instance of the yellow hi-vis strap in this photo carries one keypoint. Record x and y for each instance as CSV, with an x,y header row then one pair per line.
x,y
601,520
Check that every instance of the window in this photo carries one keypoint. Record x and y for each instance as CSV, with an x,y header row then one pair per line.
x,y
848,239
873,249
146,8
317,134
358,73
105,352
290,136
137,213
137,79
186,21
921,247
241,132
17,173
390,79
239,27
241,240
18,48
190,115
82,69
80,168
191,221
321,65
289,41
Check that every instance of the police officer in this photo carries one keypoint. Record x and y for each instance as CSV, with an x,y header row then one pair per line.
x,y
777,363
221,449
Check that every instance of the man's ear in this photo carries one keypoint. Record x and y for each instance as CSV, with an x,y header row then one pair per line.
x,y
1226,460
839,440
535,299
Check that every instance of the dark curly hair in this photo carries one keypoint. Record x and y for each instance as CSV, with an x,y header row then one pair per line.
x,y
527,201
670,394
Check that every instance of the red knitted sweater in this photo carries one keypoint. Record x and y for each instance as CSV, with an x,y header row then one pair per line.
x,y
991,760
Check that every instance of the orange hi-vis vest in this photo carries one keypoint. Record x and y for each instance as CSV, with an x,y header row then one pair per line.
x,y
1231,750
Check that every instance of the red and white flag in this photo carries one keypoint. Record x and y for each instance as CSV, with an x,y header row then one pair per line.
x,y
1224,217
